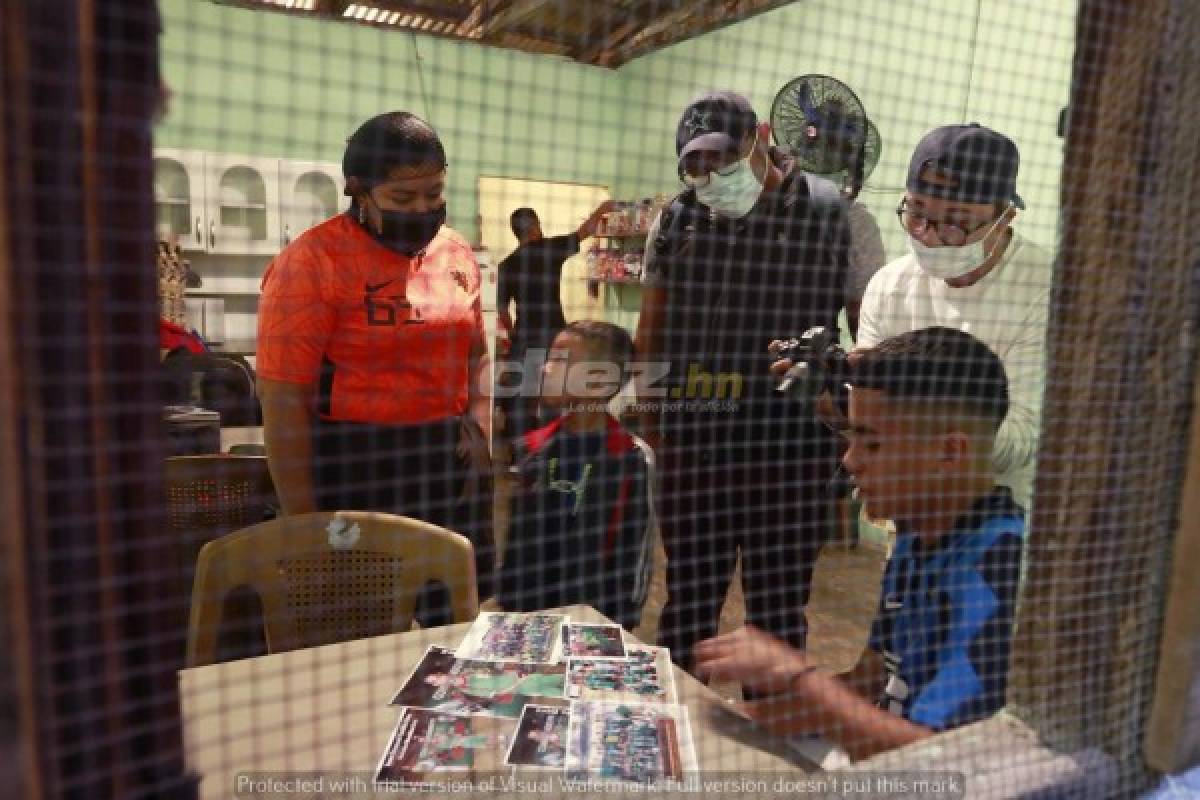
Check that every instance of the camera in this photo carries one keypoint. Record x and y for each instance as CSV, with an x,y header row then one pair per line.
x,y
819,380
819,364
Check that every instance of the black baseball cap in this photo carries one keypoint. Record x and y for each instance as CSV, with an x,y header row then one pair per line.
x,y
714,121
979,163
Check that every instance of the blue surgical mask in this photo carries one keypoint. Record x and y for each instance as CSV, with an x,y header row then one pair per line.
x,y
734,193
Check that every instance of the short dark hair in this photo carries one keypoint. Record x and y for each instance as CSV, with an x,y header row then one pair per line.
x,y
391,140
607,341
522,220
936,365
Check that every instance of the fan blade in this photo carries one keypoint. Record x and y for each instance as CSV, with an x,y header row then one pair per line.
x,y
807,106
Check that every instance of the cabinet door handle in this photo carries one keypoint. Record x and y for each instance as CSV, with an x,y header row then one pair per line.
x,y
199,234
212,234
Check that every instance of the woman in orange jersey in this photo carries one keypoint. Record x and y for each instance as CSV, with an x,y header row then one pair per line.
x,y
371,359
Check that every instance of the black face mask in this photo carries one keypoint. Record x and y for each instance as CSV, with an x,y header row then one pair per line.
x,y
409,232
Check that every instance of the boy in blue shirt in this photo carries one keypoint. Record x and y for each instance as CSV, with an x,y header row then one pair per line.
x,y
924,408
581,519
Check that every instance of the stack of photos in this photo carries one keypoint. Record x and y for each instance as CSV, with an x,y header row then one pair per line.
x,y
648,745
426,742
442,682
536,691
525,638
643,677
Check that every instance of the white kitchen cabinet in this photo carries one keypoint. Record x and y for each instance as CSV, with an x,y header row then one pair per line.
x,y
179,186
310,192
242,204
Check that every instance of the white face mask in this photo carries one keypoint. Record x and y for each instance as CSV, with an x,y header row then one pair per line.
x,y
947,262
735,193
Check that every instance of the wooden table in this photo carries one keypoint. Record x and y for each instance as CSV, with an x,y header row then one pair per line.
x,y
325,710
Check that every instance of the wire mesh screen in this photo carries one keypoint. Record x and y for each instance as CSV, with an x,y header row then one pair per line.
x,y
552,397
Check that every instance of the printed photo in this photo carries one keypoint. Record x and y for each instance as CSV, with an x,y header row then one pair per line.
x,y
523,638
442,682
593,641
426,742
643,677
649,745
541,739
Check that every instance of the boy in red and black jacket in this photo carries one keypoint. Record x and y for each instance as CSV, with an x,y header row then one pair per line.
x,y
582,520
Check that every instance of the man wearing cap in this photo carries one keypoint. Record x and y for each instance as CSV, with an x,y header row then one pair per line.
x,y
751,248
967,268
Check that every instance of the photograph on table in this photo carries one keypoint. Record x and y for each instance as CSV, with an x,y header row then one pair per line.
x,y
592,641
648,745
523,638
643,677
427,742
541,739
450,685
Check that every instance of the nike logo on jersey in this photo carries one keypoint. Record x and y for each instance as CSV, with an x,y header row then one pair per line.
x,y
371,289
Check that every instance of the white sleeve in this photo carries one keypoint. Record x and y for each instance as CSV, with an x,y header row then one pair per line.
x,y
1017,441
871,330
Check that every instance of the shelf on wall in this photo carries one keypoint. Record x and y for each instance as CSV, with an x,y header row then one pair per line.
x,y
633,235
616,281
221,292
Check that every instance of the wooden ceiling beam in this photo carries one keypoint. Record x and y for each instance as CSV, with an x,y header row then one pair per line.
x,y
441,12
530,44
511,17
696,19
471,27
603,51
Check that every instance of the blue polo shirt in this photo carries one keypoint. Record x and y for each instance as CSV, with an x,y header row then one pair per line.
x,y
945,620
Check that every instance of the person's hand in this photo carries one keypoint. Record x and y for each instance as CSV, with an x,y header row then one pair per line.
x,y
592,223
781,365
757,660
474,449
604,208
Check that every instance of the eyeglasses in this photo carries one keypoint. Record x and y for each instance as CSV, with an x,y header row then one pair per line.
x,y
949,232
700,181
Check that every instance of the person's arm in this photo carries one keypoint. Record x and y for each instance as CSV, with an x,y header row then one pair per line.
x,y
504,296
871,323
823,703
480,394
592,223
648,339
294,327
805,698
287,431
479,377
1025,363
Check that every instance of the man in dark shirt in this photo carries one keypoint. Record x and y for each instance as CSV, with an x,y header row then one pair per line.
x,y
750,246
530,277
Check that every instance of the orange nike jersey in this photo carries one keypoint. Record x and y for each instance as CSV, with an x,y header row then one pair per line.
x,y
388,336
